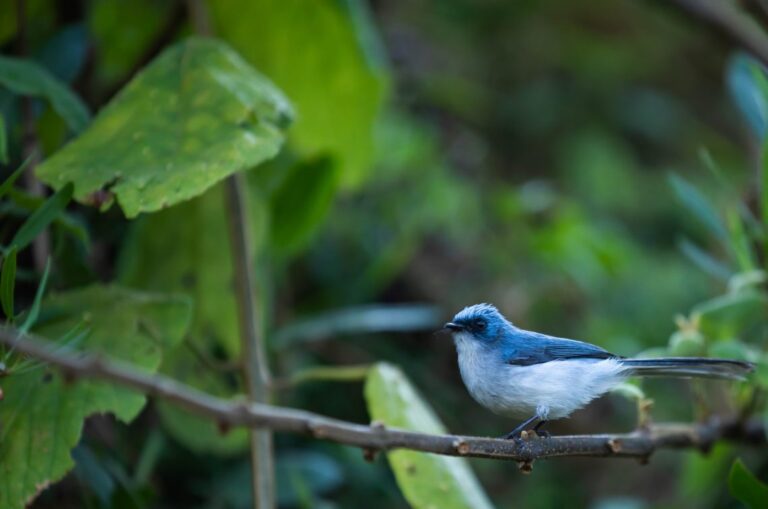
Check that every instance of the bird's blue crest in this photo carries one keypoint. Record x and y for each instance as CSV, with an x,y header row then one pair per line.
x,y
482,321
484,310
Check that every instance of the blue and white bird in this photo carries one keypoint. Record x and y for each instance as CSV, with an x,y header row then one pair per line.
x,y
522,374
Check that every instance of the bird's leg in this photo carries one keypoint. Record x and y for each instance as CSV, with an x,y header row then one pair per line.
x,y
515,433
541,432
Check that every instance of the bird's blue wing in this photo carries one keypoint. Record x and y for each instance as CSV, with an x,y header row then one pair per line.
x,y
530,348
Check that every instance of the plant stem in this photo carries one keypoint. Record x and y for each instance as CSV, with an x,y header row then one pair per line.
x,y
255,369
252,353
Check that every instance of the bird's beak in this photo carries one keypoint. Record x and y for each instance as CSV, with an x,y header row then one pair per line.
x,y
454,327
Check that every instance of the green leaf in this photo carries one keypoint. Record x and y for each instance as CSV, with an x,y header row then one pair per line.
x,y
42,414
630,391
704,260
7,184
42,217
34,311
123,31
745,487
747,85
701,478
373,318
426,480
764,195
731,349
727,316
354,373
200,266
301,203
740,244
699,205
25,77
195,115
3,141
686,343
316,52
8,282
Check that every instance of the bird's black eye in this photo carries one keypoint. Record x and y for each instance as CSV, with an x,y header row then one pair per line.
x,y
479,324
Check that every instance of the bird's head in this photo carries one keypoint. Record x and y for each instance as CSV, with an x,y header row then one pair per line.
x,y
481,322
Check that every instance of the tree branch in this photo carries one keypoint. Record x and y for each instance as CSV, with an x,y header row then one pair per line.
x,y
639,444
731,23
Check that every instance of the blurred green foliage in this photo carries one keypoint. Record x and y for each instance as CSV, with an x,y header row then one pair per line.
x,y
592,168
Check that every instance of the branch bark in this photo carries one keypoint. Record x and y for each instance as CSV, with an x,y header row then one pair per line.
x,y
730,22
639,444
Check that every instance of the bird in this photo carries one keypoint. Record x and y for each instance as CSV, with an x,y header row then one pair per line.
x,y
527,375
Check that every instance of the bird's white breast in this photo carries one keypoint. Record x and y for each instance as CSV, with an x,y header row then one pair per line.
x,y
551,390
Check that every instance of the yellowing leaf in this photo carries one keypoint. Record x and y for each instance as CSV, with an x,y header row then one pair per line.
x,y
426,480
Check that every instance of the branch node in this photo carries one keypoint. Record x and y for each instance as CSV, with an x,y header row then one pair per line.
x,y
315,429
461,447
69,376
223,426
526,467
369,454
614,445
378,426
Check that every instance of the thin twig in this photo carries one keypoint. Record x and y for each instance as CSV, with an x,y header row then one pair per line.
x,y
639,444
731,23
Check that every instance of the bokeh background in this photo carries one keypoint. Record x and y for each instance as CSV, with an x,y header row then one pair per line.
x,y
519,153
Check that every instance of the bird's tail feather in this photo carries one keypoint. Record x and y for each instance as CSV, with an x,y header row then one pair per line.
x,y
689,367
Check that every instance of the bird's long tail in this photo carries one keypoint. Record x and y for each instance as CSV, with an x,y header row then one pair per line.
x,y
685,367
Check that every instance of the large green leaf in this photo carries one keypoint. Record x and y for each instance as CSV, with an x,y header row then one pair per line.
x,y
195,115
123,31
745,487
301,203
25,77
42,414
195,260
426,480
319,53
